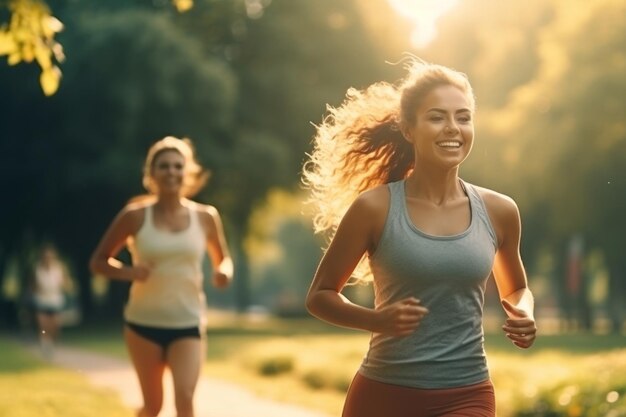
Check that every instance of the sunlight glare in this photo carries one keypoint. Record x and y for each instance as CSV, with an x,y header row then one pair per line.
x,y
424,15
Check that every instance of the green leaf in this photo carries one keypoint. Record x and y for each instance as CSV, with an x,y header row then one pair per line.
x,y
7,43
49,80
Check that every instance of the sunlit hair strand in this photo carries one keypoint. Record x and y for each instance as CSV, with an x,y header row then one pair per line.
x,y
195,177
359,145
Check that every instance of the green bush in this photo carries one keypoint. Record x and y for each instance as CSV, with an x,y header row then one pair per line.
x,y
587,396
319,378
315,379
275,365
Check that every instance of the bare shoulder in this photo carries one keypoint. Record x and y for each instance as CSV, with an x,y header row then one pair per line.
x,y
497,203
373,201
132,215
369,210
204,210
208,215
503,212
137,207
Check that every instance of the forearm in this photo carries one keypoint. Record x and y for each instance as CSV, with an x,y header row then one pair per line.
x,y
522,299
111,268
335,308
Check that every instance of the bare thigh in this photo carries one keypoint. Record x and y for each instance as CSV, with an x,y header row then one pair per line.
x,y
184,358
148,361
48,323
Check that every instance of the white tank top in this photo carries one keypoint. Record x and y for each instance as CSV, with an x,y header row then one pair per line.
x,y
49,286
172,296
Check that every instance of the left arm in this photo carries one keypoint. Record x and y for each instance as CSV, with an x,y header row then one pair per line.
x,y
515,296
217,247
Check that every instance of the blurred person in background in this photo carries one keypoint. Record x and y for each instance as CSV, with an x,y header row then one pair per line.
x,y
384,178
167,235
50,286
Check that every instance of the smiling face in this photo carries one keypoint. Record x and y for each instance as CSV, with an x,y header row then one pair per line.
x,y
443,131
193,175
48,255
168,171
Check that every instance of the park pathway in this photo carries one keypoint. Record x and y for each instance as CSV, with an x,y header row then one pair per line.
x,y
214,398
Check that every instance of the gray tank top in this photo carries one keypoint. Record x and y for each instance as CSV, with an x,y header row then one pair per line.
x,y
448,274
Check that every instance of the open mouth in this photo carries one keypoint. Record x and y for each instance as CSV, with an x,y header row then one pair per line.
x,y
450,144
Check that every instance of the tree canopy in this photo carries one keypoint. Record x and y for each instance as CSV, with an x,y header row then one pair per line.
x,y
246,81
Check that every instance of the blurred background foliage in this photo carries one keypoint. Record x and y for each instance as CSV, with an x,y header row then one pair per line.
x,y
247,80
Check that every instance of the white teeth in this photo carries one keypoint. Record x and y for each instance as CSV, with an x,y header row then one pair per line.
x,y
450,144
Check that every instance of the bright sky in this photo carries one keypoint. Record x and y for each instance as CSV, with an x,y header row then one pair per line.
x,y
424,14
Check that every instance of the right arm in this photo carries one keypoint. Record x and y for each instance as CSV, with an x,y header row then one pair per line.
x,y
103,261
358,233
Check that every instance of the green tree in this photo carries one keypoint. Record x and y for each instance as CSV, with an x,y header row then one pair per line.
x,y
29,37
30,34
551,129
244,85
574,113
291,58
72,160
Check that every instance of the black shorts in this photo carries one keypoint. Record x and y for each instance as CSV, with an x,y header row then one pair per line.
x,y
49,310
164,336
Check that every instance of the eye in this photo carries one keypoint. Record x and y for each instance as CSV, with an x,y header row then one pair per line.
x,y
166,165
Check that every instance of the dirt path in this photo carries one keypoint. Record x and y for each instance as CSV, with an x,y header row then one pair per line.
x,y
214,398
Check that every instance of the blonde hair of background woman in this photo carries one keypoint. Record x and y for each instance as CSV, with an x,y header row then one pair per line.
x,y
195,176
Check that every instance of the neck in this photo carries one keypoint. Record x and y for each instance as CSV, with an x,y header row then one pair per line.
x,y
169,202
436,187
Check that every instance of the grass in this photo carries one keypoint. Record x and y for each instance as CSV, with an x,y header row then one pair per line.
x,y
520,382
322,363
31,388
308,363
316,371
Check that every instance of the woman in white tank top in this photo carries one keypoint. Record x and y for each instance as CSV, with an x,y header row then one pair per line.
x,y
50,285
384,176
167,235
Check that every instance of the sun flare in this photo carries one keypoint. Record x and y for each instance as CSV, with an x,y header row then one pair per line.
x,y
424,15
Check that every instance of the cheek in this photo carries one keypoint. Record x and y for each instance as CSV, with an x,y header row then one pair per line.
x,y
158,172
468,132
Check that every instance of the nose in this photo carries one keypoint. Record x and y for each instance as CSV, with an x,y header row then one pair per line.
x,y
451,128
173,169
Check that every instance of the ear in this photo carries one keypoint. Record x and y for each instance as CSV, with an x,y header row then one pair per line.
x,y
407,133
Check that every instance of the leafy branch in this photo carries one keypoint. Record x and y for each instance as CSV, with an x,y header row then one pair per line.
x,y
30,36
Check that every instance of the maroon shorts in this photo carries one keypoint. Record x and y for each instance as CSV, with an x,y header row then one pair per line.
x,y
369,398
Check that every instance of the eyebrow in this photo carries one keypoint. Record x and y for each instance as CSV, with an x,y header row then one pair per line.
x,y
438,110
170,163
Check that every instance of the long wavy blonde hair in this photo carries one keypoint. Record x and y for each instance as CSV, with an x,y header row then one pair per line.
x,y
359,145
195,177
